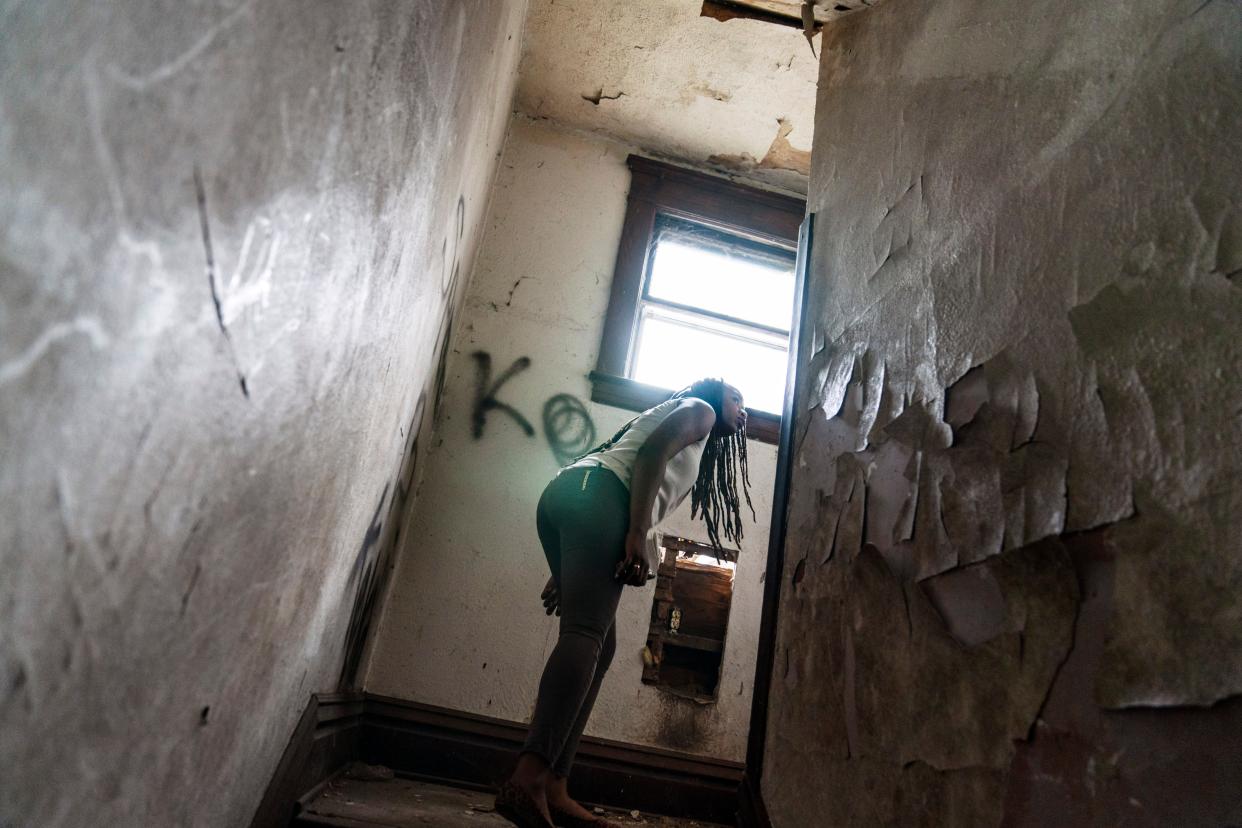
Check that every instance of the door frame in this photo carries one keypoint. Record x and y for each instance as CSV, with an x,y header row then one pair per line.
x,y
753,812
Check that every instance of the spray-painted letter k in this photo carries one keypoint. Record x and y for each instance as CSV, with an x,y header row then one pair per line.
x,y
485,392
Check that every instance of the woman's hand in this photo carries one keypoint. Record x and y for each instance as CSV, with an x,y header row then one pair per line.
x,y
551,597
632,568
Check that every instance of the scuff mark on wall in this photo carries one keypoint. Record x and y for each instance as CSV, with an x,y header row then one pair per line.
x,y
88,326
683,723
513,290
201,198
169,69
707,91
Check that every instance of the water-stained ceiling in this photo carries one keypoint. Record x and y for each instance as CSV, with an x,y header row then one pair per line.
x,y
736,94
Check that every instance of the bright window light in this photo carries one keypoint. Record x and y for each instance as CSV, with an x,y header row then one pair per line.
x,y
716,281
710,560
675,349
715,304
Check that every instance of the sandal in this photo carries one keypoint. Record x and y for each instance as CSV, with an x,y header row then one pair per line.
x,y
564,819
515,804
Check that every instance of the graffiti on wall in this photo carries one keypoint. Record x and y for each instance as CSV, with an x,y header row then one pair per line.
x,y
368,575
450,270
369,572
567,425
370,567
442,348
485,390
450,266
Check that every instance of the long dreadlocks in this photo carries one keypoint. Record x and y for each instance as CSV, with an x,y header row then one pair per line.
x,y
715,491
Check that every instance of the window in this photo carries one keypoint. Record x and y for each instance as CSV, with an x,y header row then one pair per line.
x,y
703,286
714,304
689,618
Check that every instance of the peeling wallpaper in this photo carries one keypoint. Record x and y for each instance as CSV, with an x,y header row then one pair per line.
x,y
233,238
1014,567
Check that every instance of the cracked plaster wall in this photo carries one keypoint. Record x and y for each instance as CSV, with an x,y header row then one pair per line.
x,y
230,237
738,96
1013,567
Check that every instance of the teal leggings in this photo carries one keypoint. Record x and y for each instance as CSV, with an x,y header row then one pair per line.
x,y
582,520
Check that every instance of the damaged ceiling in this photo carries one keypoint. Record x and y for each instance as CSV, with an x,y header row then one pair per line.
x,y
736,94
791,12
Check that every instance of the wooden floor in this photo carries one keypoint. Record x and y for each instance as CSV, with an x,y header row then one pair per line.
x,y
396,803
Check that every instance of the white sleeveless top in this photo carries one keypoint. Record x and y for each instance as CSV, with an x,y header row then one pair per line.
x,y
680,472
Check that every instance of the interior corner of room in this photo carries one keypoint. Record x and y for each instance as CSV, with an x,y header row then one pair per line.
x,y
301,309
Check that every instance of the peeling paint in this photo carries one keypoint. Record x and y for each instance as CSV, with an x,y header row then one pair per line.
x,y
1018,445
693,87
780,155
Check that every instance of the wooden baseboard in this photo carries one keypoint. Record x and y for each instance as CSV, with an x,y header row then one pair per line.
x,y
440,744
468,750
325,739
751,812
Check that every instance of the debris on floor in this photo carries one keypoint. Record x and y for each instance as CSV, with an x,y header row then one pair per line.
x,y
363,794
368,773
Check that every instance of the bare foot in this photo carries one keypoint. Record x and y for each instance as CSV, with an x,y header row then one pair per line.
x,y
540,799
531,775
558,797
569,806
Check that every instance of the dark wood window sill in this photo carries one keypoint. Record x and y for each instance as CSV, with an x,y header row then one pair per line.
x,y
622,392
659,189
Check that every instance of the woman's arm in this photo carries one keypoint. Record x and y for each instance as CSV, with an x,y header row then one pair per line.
x,y
690,422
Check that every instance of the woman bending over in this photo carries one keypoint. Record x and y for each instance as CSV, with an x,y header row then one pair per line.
x,y
593,521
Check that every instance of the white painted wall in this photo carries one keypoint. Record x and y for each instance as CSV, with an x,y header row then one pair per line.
x,y
195,193
463,626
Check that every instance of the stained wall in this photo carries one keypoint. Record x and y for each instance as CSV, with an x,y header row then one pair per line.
x,y
463,626
1013,568
233,236
736,95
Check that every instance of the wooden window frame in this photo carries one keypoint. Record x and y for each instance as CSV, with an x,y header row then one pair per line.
x,y
655,188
